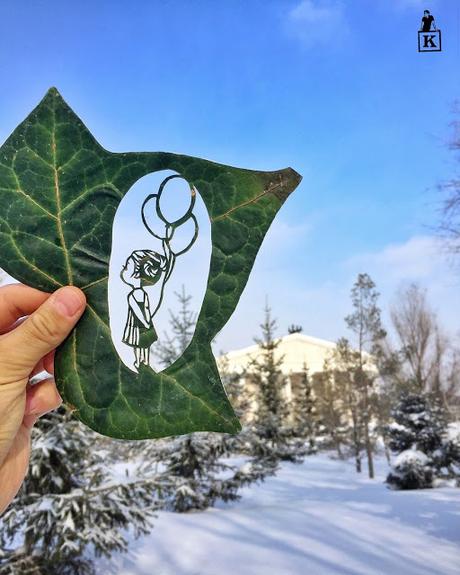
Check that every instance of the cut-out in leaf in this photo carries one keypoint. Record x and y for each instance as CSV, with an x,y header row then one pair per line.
x,y
59,191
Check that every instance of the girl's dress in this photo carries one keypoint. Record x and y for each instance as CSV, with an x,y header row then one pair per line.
x,y
136,334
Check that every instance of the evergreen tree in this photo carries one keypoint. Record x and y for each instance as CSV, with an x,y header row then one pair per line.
x,y
416,435
451,451
347,365
305,415
182,325
196,466
274,438
331,409
71,504
198,472
388,388
366,324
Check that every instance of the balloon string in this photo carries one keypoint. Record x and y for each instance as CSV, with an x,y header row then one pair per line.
x,y
171,260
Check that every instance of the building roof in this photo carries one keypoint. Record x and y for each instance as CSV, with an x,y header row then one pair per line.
x,y
298,349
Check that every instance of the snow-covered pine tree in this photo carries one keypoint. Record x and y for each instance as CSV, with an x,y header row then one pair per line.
x,y
416,436
198,472
274,436
305,415
243,443
196,466
451,451
71,507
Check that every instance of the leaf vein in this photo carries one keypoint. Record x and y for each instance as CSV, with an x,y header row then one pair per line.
x,y
30,198
95,282
88,191
269,190
58,201
26,261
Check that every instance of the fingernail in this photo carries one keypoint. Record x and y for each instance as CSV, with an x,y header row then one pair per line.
x,y
68,301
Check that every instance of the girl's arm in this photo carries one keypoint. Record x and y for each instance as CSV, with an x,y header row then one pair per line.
x,y
139,313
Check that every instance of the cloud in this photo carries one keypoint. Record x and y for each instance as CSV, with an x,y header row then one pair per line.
x,y
317,22
414,260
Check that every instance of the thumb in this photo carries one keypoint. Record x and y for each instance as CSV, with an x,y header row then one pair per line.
x,y
42,331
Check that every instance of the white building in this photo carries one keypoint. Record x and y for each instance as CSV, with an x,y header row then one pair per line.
x,y
296,350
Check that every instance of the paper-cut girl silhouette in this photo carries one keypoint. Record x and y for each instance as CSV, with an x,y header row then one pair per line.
x,y
147,267
143,267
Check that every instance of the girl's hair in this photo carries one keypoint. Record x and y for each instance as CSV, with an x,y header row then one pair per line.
x,y
147,264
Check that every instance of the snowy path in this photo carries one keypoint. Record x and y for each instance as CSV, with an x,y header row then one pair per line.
x,y
318,518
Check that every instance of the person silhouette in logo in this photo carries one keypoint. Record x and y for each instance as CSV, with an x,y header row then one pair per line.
x,y
143,267
427,22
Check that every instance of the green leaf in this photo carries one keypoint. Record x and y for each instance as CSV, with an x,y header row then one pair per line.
x,y
59,191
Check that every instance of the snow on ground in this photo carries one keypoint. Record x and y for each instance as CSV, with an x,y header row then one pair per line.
x,y
318,518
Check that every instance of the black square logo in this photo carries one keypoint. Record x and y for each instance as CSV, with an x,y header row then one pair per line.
x,y
429,41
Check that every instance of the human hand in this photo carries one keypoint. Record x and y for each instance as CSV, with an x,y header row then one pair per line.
x,y
26,348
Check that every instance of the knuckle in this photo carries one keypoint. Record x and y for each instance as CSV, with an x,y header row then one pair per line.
x,y
43,328
11,365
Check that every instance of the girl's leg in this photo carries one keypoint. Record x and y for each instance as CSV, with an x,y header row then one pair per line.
x,y
143,355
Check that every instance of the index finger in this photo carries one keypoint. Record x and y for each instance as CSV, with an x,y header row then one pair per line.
x,y
18,300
